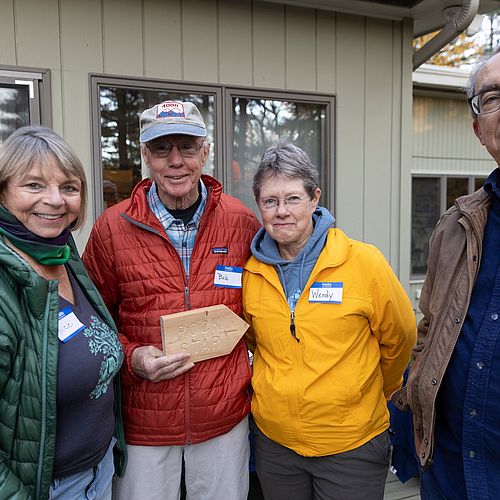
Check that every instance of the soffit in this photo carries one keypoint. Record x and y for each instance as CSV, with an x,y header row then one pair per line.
x,y
427,15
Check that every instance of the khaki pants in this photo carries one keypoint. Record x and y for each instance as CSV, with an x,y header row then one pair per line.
x,y
214,470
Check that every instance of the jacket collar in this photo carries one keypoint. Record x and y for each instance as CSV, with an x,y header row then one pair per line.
x,y
139,210
335,253
477,203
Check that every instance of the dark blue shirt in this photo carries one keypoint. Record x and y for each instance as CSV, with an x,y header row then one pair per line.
x,y
467,434
87,363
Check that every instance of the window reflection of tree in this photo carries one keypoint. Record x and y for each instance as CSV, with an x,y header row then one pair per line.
x,y
259,123
425,214
120,110
14,109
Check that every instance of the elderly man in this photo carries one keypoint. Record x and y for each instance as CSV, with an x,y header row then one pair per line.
x,y
155,254
454,382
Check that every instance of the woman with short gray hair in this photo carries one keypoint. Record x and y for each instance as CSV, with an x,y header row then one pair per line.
x,y
286,160
331,330
59,350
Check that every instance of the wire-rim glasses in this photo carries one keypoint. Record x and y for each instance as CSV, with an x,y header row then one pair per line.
x,y
161,149
487,101
289,202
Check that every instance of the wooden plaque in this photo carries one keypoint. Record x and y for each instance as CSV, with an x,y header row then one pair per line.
x,y
205,333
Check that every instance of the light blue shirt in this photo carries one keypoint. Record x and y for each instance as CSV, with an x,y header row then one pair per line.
x,y
181,236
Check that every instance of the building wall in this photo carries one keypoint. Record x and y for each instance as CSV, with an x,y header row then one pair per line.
x,y
444,143
364,62
443,139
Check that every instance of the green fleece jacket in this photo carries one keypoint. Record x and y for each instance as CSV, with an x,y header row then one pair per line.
x,y
29,308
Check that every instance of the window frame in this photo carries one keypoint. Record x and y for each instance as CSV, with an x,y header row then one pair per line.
x,y
223,140
98,80
328,174
38,82
414,277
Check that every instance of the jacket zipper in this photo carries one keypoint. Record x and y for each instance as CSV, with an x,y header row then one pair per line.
x,y
187,301
43,364
188,305
292,326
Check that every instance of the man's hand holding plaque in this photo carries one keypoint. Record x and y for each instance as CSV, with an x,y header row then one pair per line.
x,y
150,363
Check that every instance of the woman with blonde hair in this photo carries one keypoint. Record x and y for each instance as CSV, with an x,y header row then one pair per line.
x,y
59,351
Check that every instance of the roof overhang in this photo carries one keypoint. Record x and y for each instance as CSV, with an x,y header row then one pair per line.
x,y
440,77
427,15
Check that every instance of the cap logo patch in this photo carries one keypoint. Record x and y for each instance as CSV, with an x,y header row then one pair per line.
x,y
170,108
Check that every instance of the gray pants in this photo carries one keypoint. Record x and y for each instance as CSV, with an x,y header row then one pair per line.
x,y
358,474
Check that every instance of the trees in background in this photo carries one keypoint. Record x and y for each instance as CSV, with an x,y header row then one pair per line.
x,y
465,49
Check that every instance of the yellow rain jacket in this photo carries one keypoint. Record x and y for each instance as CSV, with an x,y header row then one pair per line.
x,y
324,391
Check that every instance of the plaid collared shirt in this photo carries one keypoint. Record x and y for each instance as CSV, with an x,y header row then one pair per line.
x,y
181,236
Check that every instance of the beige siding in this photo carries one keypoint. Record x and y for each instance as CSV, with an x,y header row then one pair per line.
x,y
199,40
269,45
401,154
122,37
351,82
378,167
162,39
300,48
443,139
37,33
242,43
7,38
235,42
326,61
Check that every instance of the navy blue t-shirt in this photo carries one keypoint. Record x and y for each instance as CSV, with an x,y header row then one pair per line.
x,y
87,363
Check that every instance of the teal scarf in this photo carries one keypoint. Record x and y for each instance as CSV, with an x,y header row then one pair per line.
x,y
46,251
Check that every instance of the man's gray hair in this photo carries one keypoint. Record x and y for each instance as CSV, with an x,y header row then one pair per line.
x,y
470,88
29,146
286,160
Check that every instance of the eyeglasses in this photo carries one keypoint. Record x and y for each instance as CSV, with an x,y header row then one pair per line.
x,y
289,202
485,102
187,149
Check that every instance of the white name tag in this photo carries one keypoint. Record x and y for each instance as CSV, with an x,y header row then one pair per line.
x,y
69,324
228,277
329,292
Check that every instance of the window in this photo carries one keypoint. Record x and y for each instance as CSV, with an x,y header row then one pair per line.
x,y
431,197
120,156
20,100
241,124
257,123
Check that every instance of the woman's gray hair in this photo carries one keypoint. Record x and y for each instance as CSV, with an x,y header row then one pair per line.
x,y
32,145
286,160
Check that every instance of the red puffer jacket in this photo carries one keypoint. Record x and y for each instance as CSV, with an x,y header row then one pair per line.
x,y
141,277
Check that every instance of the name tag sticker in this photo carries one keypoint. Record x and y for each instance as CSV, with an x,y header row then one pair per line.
x,y
228,276
69,324
329,292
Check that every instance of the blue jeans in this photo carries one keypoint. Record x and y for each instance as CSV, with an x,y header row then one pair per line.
x,y
91,484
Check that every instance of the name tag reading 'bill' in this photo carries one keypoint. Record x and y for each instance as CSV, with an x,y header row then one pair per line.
x,y
228,276
329,292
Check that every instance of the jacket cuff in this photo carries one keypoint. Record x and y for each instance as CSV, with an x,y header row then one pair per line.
x,y
400,399
129,377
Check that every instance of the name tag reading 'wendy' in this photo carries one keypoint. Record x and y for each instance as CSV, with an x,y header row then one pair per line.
x,y
329,292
